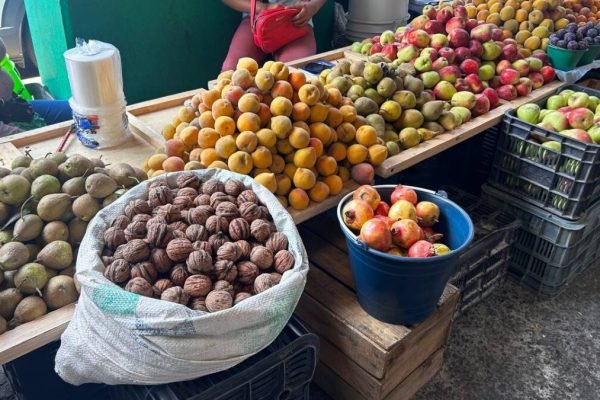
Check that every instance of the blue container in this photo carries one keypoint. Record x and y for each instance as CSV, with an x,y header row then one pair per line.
x,y
403,290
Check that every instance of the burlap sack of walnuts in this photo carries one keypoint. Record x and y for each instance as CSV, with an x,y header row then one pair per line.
x,y
118,337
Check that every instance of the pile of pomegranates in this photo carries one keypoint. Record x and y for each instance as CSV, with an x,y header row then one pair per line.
x,y
404,227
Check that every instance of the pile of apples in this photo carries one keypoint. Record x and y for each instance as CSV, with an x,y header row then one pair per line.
x,y
569,113
402,228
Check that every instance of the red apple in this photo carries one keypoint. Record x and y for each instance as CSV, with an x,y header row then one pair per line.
x,y
482,105
507,92
376,48
509,76
495,82
482,33
474,83
537,79
524,87
455,23
459,38
438,41
471,23
469,66
462,53
476,48
444,14
449,73
439,63
492,97
581,118
434,26
460,11
418,38
522,66
548,73
510,52
461,85
390,51
497,34
448,53
429,11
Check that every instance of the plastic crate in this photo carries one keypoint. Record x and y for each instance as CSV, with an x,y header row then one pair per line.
x,y
543,264
483,266
283,370
564,182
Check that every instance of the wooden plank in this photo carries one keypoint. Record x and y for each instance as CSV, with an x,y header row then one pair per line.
x,y
328,55
8,152
37,135
315,209
161,103
327,256
35,334
409,157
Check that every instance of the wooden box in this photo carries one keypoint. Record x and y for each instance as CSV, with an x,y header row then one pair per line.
x,y
361,357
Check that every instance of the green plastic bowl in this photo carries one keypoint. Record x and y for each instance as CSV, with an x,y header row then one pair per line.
x,y
590,55
564,59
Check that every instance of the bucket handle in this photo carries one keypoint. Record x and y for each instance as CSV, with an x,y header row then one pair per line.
x,y
440,193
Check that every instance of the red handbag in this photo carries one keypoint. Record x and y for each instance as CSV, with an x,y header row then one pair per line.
x,y
273,29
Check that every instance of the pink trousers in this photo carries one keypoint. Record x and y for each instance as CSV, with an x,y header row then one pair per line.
x,y
242,45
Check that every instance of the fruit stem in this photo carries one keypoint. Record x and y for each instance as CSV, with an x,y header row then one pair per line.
x,y
23,206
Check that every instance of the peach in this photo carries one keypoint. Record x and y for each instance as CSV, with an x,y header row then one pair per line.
x,y
284,147
348,113
281,106
180,127
334,96
206,120
174,147
248,122
321,131
346,132
225,126
207,137
209,156
363,173
317,145
298,199
248,64
267,98
338,151
210,96
279,70
264,80
319,192
357,153
233,94
196,100
201,108
321,88
377,154
246,141
189,136
219,164
326,165
335,184
299,138
289,170
284,184
155,161
222,107
309,94
266,137
240,162
301,124
262,157
195,154
168,131
304,178
193,165
173,164
296,79
249,103
282,126
334,117
264,114
225,146
267,179
300,112
282,89
366,135
318,112
305,158
242,78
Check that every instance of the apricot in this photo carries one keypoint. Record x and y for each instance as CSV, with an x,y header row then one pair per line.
x,y
248,122
334,117
246,141
299,138
278,164
207,137
335,184
284,184
298,199
208,156
289,170
319,192
180,127
283,201
321,88
232,93
305,158
483,15
494,18
309,94
264,80
282,89
155,161
222,107
317,145
206,120
249,103
173,164
168,131
284,147
193,165
348,113
318,112
174,147
195,154
248,64
264,115
219,164
266,137
210,96
157,173
346,132
279,70
357,153
225,126
377,154
334,96
262,157
282,126
267,179
240,162
300,112
281,106
321,131
225,146
326,165
289,158
242,78
533,43
301,124
507,13
304,178
338,151
189,136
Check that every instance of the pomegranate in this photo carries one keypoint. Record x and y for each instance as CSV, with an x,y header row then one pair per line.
x,y
369,194
376,234
404,193
356,213
428,213
397,251
440,249
386,219
405,233
382,208
421,249
432,236
402,209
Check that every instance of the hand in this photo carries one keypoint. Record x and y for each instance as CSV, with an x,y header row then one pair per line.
x,y
307,11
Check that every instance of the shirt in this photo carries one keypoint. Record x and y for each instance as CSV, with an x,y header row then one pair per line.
x,y
285,3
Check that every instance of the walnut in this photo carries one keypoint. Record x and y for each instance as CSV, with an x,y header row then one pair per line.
x,y
200,214
159,195
107,260
178,226
262,257
160,286
196,233
233,187
199,262
225,270
276,277
249,211
203,245
247,289
187,192
139,286
145,270
178,249
246,249
216,241
216,224
161,261
162,181
247,272
135,230
188,179
177,234
241,296
114,237
260,230
264,213
283,261
202,200
158,235
198,304
157,219
170,212
239,229
175,294
197,285
218,300
118,271
121,222
211,186
276,242
138,206
247,196
174,192
135,251
183,202
232,199
229,251
107,252
217,198
263,282
178,275
119,251
141,218
224,285
228,210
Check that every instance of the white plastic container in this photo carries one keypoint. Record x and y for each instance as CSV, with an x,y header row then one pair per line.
x,y
372,17
100,127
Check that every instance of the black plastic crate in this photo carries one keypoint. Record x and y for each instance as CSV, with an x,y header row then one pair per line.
x,y
482,267
564,182
283,370
539,262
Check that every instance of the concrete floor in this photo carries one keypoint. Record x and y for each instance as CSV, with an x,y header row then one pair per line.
x,y
516,346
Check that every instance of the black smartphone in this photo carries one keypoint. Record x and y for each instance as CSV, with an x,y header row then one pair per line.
x,y
317,66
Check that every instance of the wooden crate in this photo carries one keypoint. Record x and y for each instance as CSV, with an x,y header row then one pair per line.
x,y
361,357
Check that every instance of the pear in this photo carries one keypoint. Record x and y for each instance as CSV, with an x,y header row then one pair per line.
x,y
377,122
4,213
77,229
4,172
43,185
43,166
357,68
54,206
28,309
20,161
85,207
123,174
31,278
364,106
99,185
432,110
405,98
55,230
28,227
14,189
58,157
413,84
409,137
56,255
77,165
9,298
13,255
60,291
74,186
448,121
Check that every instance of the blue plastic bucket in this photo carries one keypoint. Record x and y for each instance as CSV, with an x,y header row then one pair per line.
x,y
403,290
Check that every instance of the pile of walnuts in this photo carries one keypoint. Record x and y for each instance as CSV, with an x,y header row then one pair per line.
x,y
208,245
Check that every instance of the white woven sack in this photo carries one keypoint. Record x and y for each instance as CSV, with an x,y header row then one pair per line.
x,y
118,337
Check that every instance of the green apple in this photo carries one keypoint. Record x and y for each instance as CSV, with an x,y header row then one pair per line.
x,y
529,112
555,102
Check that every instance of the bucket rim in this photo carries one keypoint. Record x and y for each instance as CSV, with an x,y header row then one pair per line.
x,y
440,194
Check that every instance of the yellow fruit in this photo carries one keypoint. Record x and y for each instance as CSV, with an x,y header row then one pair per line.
x,y
193,165
266,137
246,141
157,173
208,156
257,171
334,117
507,13
219,165
305,158
326,165
522,36
495,8
366,135
321,131
541,5
222,107
526,5
282,126
262,157
248,122
289,170
541,32
338,151
335,184
278,164
344,173
225,125
299,138
168,131
521,15
304,178
189,136
512,26
284,147
207,137
471,10
561,23
319,192
318,112
210,96
549,25
284,184
248,64
180,127
281,106
267,180
536,16
186,114
225,146
377,154
348,113
357,153
494,18
240,162
249,102
155,161
298,199
206,120
533,43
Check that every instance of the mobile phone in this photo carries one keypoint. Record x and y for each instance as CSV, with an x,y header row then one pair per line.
x,y
317,66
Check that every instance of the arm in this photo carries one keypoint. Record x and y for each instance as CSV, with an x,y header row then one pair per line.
x,y
307,9
244,5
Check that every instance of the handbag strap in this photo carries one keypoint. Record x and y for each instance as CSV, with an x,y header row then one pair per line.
x,y
252,14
